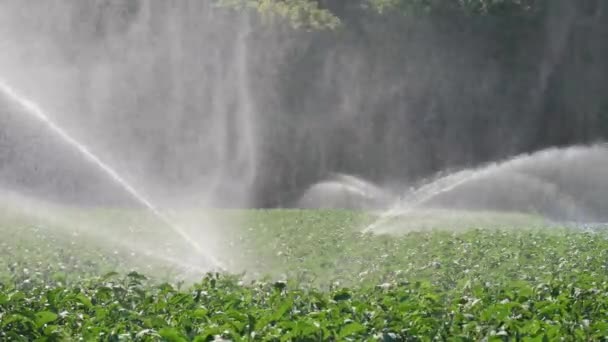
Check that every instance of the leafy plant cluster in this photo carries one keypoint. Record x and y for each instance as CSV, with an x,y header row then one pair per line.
x,y
315,277
299,13
317,14
483,7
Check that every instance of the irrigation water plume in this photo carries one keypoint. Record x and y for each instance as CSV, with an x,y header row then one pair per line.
x,y
34,110
49,217
560,184
425,193
343,191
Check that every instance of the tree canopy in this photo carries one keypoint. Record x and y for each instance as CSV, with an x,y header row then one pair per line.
x,y
322,14
300,13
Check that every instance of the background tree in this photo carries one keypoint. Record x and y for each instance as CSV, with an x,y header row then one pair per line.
x,y
390,90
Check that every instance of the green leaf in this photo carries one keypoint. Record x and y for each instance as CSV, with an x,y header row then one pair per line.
x,y
281,310
166,288
14,318
13,336
342,295
171,335
16,296
53,330
352,329
136,276
101,313
199,313
44,317
108,276
146,332
84,300
180,298
280,285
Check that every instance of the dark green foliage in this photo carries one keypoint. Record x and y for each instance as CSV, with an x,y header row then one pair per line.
x,y
532,285
483,7
299,13
318,14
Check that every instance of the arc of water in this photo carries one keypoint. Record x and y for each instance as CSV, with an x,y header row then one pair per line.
x,y
34,109
450,182
428,192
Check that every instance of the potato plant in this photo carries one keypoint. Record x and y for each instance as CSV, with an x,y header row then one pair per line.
x,y
311,276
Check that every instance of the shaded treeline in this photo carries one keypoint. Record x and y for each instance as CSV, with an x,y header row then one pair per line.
x,y
400,98
390,97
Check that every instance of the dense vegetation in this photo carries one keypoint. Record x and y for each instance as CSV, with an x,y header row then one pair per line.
x,y
324,14
325,281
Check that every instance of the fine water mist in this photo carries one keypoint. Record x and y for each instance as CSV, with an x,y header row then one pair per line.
x,y
560,184
110,235
186,107
159,90
343,191
155,95
31,108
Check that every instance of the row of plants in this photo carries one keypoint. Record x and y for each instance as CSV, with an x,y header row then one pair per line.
x,y
314,277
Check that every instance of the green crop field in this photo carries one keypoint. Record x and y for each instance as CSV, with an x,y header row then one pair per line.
x,y
306,275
